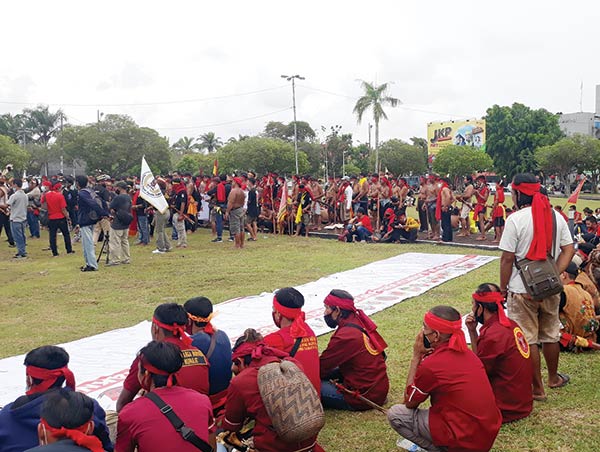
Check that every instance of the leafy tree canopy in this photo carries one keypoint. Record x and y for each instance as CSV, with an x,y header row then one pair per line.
x,y
12,153
276,129
402,158
460,161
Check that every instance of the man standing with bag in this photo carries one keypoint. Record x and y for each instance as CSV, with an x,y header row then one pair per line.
x,y
532,233
118,243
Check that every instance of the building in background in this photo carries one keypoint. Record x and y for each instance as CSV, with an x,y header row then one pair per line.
x,y
585,123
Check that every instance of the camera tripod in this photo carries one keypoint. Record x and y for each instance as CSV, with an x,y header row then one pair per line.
x,y
104,248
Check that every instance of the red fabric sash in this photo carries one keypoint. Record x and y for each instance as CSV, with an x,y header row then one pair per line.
x,y
156,371
438,204
257,350
78,435
177,330
49,377
221,192
370,327
299,327
542,221
498,299
457,340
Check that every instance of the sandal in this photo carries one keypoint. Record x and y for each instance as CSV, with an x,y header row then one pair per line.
x,y
540,398
565,380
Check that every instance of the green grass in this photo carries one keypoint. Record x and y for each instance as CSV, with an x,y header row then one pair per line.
x,y
47,300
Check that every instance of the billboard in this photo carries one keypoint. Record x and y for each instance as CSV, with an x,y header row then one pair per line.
x,y
469,132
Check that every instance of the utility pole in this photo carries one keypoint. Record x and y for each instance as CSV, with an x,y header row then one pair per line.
x,y
370,127
293,79
61,144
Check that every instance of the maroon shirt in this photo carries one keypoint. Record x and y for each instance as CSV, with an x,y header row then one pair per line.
x,y
142,424
244,400
193,374
504,353
362,368
307,354
463,414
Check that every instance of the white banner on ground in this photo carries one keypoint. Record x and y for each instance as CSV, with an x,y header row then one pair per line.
x,y
149,189
100,363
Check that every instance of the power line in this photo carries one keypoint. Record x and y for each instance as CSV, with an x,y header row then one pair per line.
x,y
143,104
225,123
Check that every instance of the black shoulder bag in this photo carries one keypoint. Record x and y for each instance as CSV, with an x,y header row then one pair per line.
x,y
185,432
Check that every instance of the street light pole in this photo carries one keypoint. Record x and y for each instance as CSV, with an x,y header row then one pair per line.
x,y
293,79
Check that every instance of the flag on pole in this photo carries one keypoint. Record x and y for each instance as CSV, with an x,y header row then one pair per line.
x,y
573,198
283,202
149,189
216,168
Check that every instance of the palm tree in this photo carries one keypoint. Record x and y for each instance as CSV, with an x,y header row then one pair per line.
x,y
210,142
185,145
43,123
375,97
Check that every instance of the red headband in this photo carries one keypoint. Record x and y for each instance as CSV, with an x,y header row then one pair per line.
x,y
527,188
457,341
156,371
49,377
542,221
342,303
177,330
498,299
299,327
256,350
78,435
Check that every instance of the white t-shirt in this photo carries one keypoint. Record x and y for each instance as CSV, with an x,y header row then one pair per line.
x,y
518,235
348,194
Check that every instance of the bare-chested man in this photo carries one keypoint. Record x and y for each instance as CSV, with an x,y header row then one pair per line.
x,y
431,192
374,195
446,199
467,205
422,205
317,192
235,212
482,193
363,191
331,199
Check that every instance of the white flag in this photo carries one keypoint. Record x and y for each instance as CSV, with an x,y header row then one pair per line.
x,y
149,189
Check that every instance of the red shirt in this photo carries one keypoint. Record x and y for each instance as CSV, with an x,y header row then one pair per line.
x,y
366,222
307,354
142,424
463,414
55,202
504,353
362,368
243,400
193,374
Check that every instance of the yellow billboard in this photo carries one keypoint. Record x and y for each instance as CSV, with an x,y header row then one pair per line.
x,y
469,132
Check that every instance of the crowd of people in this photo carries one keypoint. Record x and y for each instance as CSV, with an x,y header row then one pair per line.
x,y
189,386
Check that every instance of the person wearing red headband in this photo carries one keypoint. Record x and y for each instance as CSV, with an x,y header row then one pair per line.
x,y
354,356
463,416
244,401
47,371
443,212
235,212
528,233
58,217
143,426
431,194
168,325
294,336
482,193
215,345
504,352
180,206
66,424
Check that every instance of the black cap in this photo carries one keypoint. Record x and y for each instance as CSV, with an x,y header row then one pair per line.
x,y
394,199
586,248
572,269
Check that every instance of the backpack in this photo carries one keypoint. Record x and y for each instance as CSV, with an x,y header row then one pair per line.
x,y
93,214
291,401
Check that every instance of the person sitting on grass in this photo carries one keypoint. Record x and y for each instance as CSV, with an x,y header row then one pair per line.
x,y
399,226
576,309
215,345
168,325
144,426
67,424
463,415
354,356
504,352
359,226
47,371
294,336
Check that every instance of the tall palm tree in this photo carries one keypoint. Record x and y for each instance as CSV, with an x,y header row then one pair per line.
x,y
185,145
210,142
375,97
43,123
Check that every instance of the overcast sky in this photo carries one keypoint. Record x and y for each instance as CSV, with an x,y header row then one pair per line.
x,y
445,59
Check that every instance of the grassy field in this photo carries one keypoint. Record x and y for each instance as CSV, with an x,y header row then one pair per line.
x,y
47,300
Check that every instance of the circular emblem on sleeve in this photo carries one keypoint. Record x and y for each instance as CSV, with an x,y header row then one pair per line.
x,y
521,342
369,346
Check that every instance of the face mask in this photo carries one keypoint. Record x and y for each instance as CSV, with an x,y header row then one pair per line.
x,y
331,323
479,318
277,323
426,342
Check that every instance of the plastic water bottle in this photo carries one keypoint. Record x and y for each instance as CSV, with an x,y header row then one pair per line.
x,y
408,445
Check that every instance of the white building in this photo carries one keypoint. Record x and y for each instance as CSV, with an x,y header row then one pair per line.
x,y
585,123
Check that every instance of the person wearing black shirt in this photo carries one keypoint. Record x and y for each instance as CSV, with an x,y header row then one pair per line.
x,y
142,220
180,203
252,211
118,245
303,201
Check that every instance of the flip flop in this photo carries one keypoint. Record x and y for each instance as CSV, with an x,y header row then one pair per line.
x,y
565,380
540,398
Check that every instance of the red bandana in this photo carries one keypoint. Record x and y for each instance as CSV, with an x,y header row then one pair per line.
x,y
78,435
177,330
156,371
49,377
493,297
542,221
256,350
457,340
299,327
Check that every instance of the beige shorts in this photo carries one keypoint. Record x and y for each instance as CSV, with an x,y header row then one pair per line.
x,y
236,221
464,212
538,319
344,214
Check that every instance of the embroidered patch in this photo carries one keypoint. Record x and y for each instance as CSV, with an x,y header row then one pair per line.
x,y
521,342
